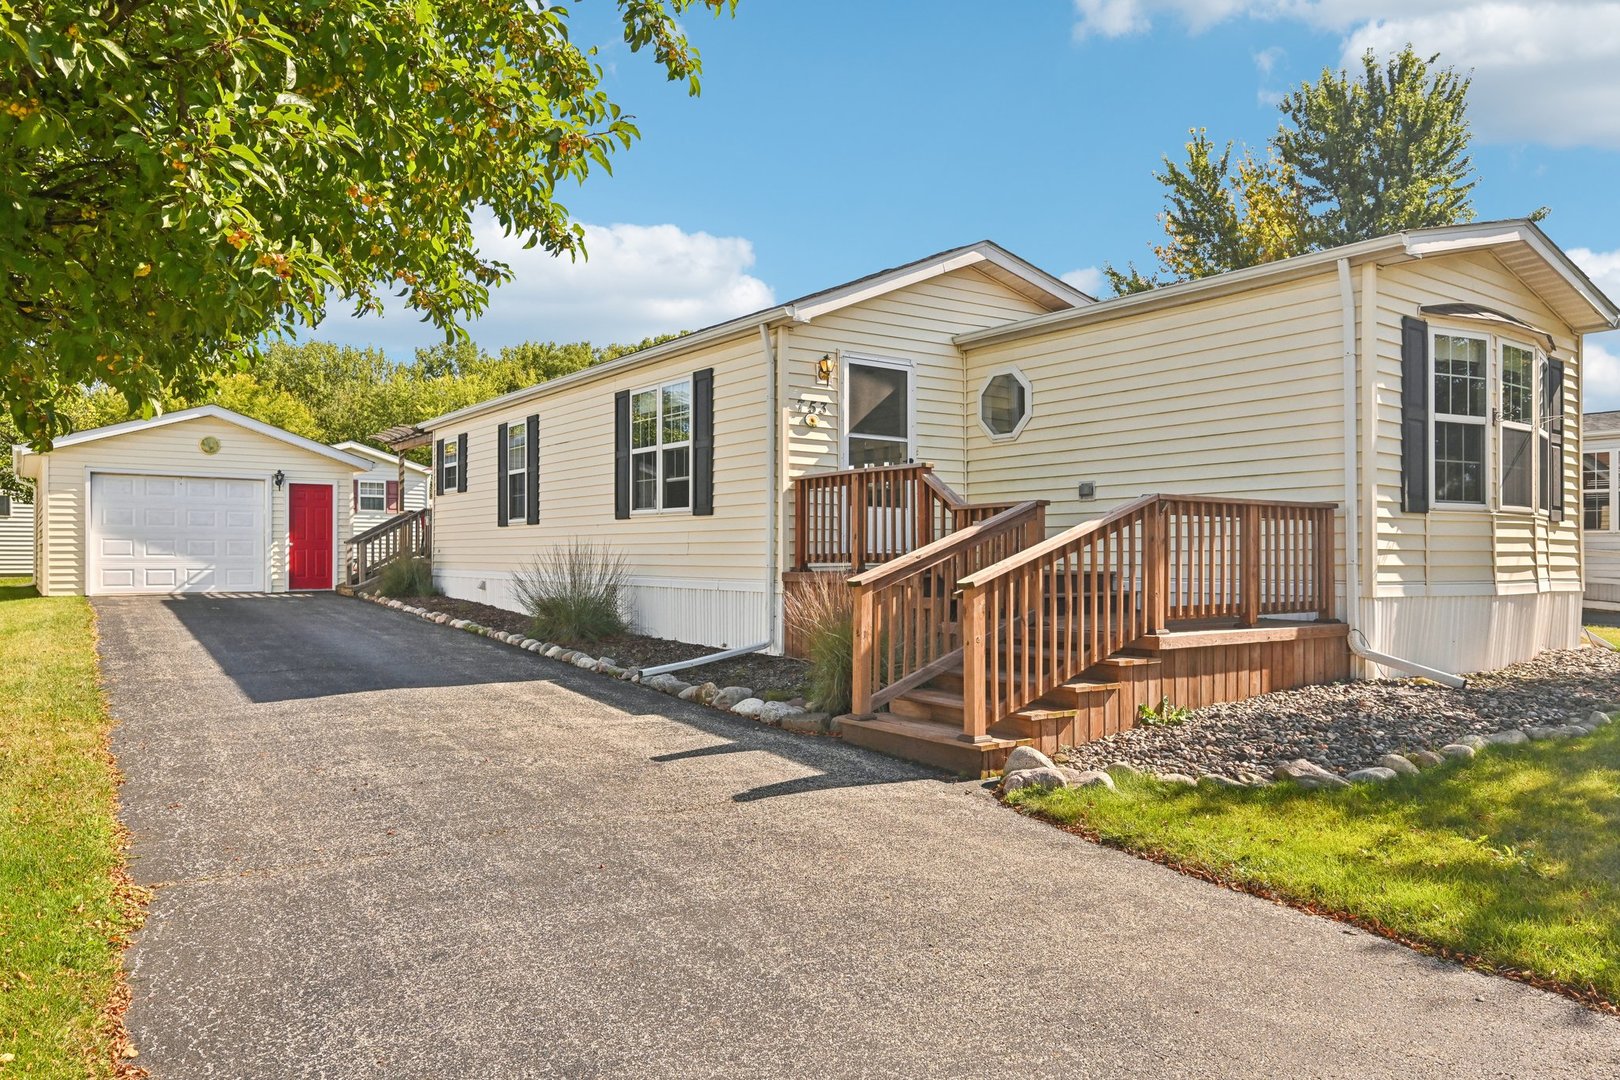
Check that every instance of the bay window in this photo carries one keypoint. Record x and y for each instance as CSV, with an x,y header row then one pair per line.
x,y
1460,415
1518,417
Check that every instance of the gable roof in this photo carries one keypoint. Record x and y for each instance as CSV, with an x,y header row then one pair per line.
x,y
128,427
986,256
357,447
1521,245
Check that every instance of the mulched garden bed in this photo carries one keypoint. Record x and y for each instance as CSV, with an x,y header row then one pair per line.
x,y
1349,725
778,676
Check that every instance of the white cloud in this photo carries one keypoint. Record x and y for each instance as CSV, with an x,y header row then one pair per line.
x,y
1266,59
1601,352
1543,69
639,280
1088,279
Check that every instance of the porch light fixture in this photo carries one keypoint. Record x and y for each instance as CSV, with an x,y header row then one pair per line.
x,y
824,369
279,479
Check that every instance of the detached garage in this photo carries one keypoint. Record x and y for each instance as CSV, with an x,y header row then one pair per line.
x,y
202,500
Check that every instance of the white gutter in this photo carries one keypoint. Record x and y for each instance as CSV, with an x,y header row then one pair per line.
x,y
1352,497
1358,645
682,665
772,465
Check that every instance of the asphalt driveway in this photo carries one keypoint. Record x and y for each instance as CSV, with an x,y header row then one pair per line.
x,y
383,848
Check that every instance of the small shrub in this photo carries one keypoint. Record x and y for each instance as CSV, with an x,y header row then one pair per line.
x,y
407,577
823,613
1164,714
575,593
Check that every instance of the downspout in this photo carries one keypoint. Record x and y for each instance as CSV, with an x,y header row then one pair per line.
x,y
1356,640
1352,497
772,496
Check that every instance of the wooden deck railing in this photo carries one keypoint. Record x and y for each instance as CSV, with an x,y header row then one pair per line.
x,y
402,536
906,613
863,517
1047,613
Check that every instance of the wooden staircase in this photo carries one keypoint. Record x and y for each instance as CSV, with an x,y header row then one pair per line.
x,y
406,535
995,636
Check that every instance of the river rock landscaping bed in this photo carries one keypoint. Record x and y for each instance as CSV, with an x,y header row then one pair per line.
x,y
1348,728
771,707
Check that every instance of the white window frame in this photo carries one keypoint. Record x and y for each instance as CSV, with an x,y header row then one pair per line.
x,y
847,360
1029,404
659,446
450,465
1493,423
1488,465
520,431
362,495
1609,489
1497,411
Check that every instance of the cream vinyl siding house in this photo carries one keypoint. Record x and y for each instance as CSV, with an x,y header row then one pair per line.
x,y
378,496
1600,499
767,404
1255,384
188,501
16,538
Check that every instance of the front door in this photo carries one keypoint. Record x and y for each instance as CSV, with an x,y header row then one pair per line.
x,y
309,536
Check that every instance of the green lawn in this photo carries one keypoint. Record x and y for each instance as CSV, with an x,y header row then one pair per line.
x,y
65,905
1511,860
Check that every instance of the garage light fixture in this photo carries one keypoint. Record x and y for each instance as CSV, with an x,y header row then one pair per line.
x,y
280,478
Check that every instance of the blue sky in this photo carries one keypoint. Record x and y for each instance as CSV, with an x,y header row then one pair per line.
x,y
836,138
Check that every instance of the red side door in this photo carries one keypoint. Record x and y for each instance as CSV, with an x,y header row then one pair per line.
x,y
309,536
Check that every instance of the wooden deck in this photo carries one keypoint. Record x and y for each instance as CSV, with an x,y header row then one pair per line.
x,y
1192,666
991,633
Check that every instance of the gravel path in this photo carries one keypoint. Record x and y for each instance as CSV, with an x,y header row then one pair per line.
x,y
1349,725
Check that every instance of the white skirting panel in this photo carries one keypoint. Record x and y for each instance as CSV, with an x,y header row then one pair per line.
x,y
724,614
1470,633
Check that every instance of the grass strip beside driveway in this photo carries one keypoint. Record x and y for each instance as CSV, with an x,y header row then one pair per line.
x,y
66,904
1510,862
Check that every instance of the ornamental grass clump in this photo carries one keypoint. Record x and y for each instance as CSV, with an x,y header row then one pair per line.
x,y
822,614
407,577
575,593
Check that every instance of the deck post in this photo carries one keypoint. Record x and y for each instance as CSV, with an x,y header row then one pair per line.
x,y
1250,586
801,524
975,708
1155,569
861,669
1324,565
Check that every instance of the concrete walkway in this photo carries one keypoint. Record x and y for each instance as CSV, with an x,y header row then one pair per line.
x,y
385,849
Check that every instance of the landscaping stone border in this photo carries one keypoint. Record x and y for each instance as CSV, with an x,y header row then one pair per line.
x,y
737,700
1028,767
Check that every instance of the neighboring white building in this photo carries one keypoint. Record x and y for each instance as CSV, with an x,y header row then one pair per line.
x,y
16,538
1600,499
200,500
378,495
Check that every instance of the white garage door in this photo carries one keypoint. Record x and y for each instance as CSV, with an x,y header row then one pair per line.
x,y
167,534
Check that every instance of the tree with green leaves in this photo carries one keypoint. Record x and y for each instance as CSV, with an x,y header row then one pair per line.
x,y
183,179
1354,158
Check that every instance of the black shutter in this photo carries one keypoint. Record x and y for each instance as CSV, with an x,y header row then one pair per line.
x,y
1414,415
621,454
438,467
533,445
461,462
500,475
1555,433
703,441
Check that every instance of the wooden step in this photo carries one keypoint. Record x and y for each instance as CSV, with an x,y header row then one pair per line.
x,y
927,703
928,742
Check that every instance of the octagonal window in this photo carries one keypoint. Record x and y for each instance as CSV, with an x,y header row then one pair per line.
x,y
1004,404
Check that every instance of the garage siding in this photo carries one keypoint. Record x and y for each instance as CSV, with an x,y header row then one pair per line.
x,y
175,450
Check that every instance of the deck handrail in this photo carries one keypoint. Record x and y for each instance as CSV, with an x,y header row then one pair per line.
x,y
859,517
406,535
905,624
1045,614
